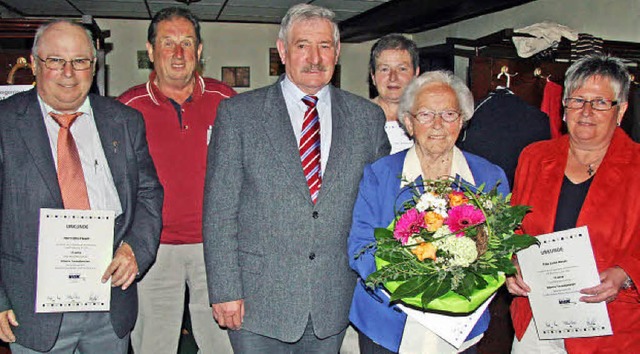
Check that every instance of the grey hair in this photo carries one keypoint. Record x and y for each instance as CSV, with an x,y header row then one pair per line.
x,y
394,41
42,29
305,12
463,94
608,67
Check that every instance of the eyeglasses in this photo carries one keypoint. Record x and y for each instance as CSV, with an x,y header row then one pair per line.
x,y
598,104
428,117
78,64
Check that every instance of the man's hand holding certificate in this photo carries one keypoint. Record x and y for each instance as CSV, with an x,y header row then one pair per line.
x,y
557,272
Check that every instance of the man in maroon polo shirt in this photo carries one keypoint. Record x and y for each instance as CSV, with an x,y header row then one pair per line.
x,y
179,108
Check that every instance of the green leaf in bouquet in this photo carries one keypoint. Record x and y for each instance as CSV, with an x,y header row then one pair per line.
x,y
400,271
505,265
480,189
511,217
383,234
411,287
393,255
518,242
467,285
480,282
378,277
435,289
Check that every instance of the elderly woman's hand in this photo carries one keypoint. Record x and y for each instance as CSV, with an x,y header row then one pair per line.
x,y
611,281
515,283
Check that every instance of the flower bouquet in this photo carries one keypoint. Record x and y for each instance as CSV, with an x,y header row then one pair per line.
x,y
448,250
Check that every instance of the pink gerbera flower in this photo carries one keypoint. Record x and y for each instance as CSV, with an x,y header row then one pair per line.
x,y
410,223
463,216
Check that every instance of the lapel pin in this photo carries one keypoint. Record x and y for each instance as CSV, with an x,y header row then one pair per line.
x,y
115,146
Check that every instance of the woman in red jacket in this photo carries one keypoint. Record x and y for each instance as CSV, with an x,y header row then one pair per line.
x,y
588,177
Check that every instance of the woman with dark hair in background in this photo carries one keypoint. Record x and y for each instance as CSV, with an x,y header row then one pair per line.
x,y
393,63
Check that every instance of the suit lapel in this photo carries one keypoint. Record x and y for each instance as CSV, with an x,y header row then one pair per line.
x,y
111,129
277,127
34,134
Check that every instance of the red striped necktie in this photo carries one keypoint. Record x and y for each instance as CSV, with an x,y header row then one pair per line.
x,y
310,147
70,176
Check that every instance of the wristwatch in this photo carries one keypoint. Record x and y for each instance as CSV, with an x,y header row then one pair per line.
x,y
628,283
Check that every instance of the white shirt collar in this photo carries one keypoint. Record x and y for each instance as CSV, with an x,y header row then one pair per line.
x,y
294,91
411,168
84,108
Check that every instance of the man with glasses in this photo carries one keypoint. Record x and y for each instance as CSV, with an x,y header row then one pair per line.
x,y
63,148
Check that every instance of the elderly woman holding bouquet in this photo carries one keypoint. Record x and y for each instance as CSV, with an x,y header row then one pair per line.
x,y
587,177
433,109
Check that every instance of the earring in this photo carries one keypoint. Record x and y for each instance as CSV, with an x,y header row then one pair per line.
x,y
618,123
564,118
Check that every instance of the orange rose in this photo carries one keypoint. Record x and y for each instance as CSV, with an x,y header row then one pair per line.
x,y
433,220
457,198
424,251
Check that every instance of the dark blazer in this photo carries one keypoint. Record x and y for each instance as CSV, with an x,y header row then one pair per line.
x,y
28,182
503,124
264,239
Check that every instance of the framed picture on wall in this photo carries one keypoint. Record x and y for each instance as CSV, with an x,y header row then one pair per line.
x,y
236,76
276,68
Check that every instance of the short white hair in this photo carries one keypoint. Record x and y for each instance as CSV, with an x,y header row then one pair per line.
x,y
305,12
463,94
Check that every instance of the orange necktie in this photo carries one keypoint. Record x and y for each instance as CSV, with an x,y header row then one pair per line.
x,y
70,175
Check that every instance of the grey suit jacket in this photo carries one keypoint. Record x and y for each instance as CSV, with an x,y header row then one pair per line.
x,y
264,239
28,182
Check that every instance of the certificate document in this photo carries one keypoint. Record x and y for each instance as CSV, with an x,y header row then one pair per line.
x,y
75,247
555,272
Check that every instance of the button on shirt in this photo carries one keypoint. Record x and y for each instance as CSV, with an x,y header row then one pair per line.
x,y
100,186
296,108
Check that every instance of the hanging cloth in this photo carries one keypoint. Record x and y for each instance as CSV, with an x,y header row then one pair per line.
x,y
586,45
544,35
552,106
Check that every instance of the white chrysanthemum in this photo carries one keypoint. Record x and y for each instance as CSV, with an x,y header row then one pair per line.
x,y
461,251
442,231
442,211
430,200
487,205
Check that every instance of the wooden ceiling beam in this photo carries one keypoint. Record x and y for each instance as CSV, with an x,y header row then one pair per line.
x,y
412,16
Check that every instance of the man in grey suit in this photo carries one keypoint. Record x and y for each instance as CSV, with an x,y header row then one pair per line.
x,y
105,145
275,236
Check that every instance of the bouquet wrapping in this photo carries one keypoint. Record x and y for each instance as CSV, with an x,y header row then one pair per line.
x,y
449,248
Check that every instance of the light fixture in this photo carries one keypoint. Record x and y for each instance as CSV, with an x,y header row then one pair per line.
x,y
188,2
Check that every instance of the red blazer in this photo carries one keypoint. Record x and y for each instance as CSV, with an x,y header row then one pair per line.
x,y
611,210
